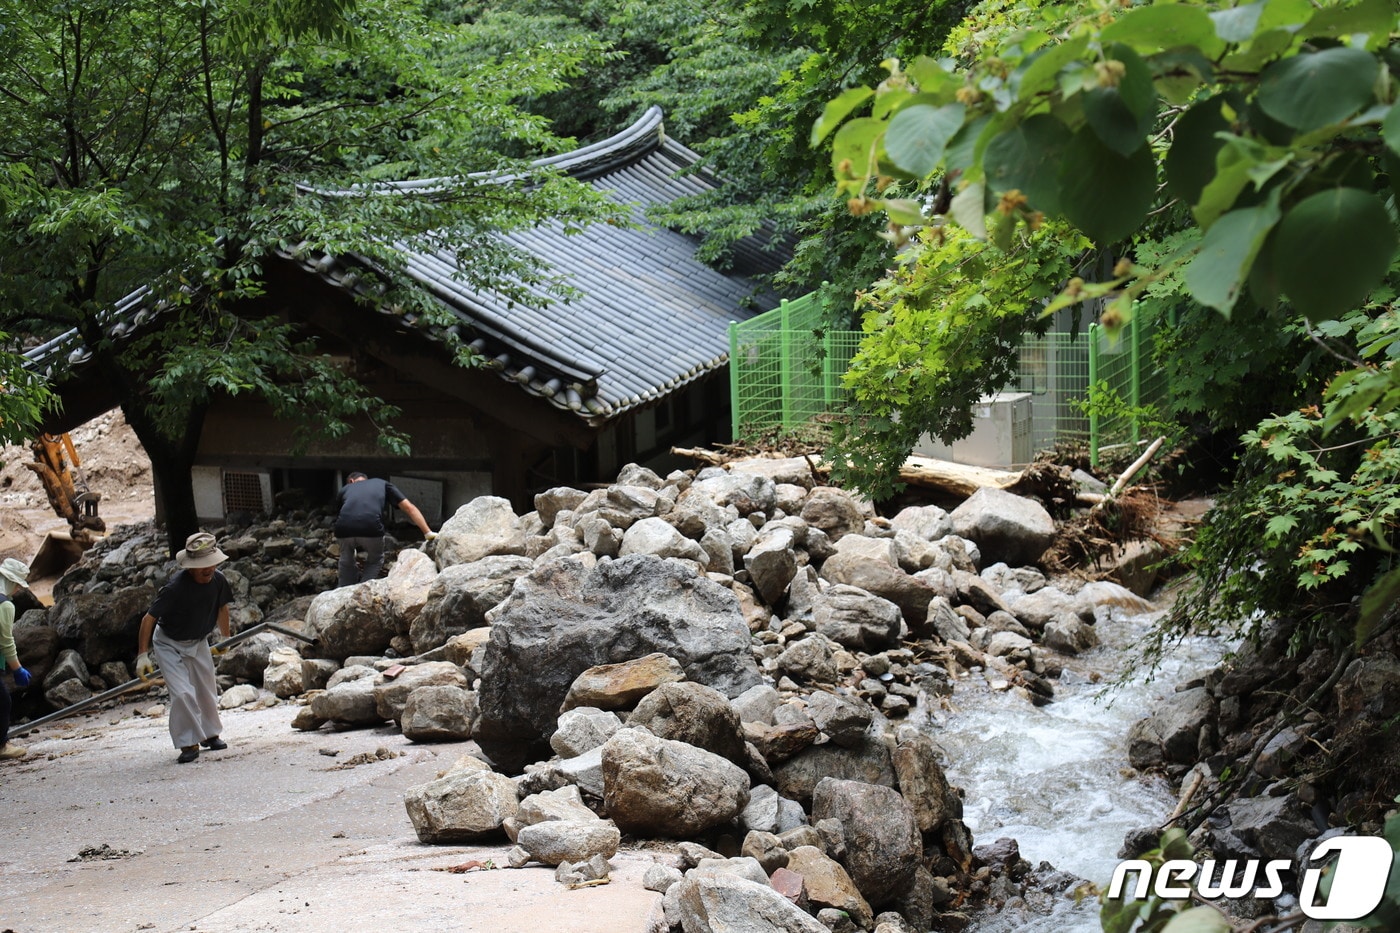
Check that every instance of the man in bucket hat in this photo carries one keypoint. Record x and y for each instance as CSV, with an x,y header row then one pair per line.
x,y
176,630
13,574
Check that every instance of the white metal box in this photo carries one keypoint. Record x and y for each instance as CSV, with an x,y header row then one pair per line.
x,y
1000,438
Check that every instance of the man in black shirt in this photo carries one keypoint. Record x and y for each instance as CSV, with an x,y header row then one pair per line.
x,y
176,630
359,524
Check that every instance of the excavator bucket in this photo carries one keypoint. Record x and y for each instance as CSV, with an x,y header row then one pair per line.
x,y
56,554
71,500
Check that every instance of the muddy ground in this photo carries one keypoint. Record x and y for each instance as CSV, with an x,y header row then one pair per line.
x,y
111,463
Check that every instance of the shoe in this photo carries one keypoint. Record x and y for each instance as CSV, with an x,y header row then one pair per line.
x,y
187,754
13,751
214,744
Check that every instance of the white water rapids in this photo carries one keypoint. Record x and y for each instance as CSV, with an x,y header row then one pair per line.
x,y
1056,778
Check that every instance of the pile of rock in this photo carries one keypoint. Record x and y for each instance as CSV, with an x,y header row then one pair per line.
x,y
736,657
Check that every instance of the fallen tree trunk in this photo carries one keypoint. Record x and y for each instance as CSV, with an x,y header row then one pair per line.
x,y
958,479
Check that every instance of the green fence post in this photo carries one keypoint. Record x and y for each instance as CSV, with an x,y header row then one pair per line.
x,y
1135,381
734,398
1093,380
785,364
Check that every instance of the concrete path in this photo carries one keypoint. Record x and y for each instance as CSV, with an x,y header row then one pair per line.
x,y
272,834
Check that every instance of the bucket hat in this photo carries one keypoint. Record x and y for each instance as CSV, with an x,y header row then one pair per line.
x,y
201,550
16,571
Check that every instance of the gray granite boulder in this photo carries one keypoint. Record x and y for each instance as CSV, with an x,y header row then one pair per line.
x,y
565,618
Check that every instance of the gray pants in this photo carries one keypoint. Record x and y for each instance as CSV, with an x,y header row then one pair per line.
x,y
188,669
373,546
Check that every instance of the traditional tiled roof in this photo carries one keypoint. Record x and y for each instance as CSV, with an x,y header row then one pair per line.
x,y
649,317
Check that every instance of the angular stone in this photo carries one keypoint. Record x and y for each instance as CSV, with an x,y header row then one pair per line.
x,y
462,806
667,788
621,685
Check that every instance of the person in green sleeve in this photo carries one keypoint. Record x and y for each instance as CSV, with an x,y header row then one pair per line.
x,y
13,574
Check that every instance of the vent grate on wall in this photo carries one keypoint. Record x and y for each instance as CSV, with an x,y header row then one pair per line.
x,y
244,492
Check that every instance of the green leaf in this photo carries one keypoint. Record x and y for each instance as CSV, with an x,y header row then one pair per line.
x,y
1119,916
931,77
1286,14
1039,72
1310,91
1179,73
903,211
837,110
1369,16
1239,162
969,209
1151,29
1027,157
1176,844
1376,601
1390,129
1280,525
962,148
856,142
1237,24
1122,115
1198,920
917,136
1218,272
1190,163
1102,192
1332,249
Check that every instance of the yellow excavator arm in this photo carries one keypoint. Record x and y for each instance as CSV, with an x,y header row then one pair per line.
x,y
70,499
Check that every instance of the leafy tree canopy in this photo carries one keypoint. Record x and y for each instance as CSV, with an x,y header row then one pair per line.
x,y
1239,158
177,146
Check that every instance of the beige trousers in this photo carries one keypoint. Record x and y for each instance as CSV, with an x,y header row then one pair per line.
x,y
188,669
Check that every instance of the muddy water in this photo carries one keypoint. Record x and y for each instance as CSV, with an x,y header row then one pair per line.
x,y
1056,778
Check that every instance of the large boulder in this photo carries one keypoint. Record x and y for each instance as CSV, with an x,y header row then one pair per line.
x,y
461,596
868,761
723,903
462,806
695,714
1006,527
1172,732
102,625
484,526
438,713
659,787
834,511
883,578
882,845
564,618
391,692
620,686
409,581
853,618
352,620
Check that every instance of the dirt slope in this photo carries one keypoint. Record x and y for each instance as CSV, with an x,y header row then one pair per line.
x,y
113,464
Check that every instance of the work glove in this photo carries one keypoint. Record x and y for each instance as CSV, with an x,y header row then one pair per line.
x,y
216,650
430,536
21,677
144,666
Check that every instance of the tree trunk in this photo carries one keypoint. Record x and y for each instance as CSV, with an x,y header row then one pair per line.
x,y
171,464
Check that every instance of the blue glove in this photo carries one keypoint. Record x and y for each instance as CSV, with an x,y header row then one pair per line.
x,y
21,677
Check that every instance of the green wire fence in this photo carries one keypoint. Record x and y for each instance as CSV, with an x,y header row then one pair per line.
x,y
786,367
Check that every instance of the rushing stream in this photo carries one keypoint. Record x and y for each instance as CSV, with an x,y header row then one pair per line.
x,y
1053,777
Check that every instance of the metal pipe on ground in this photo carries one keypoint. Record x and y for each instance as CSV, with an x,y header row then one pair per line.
x,y
154,679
